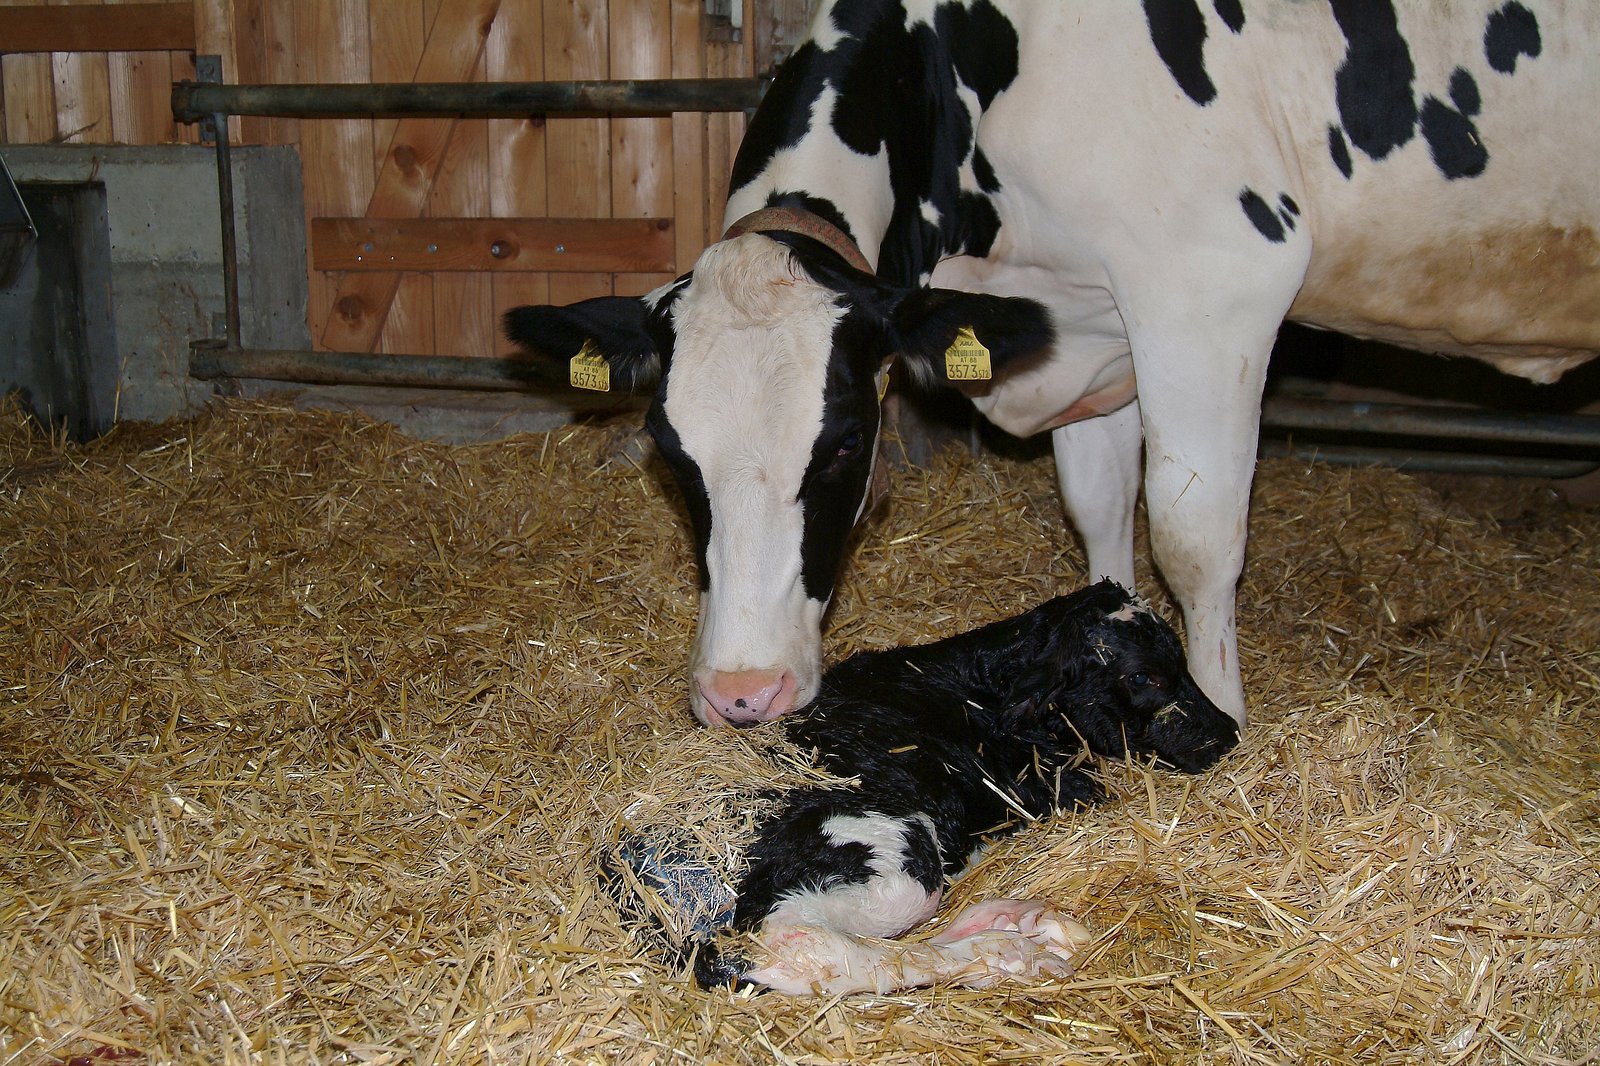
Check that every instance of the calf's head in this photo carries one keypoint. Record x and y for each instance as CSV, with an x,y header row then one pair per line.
x,y
1113,673
768,361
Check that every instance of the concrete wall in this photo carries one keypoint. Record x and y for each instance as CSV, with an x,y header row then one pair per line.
x,y
165,269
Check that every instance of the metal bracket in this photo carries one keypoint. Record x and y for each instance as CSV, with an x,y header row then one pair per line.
x,y
208,68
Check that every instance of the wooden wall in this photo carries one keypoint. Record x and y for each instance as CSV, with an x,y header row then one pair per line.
x,y
476,215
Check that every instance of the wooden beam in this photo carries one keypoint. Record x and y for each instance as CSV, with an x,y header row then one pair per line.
x,y
119,28
410,165
558,245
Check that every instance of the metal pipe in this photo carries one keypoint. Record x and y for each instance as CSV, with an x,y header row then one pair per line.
x,y
193,101
1458,423
230,246
1431,461
215,359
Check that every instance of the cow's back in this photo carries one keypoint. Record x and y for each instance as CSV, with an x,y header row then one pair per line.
x,y
1436,180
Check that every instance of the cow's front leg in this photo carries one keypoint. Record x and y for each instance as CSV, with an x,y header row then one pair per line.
x,y
1202,409
1097,468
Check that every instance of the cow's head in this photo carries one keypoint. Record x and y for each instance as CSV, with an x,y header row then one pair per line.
x,y
768,360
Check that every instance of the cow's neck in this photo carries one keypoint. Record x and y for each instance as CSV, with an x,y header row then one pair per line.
x,y
871,127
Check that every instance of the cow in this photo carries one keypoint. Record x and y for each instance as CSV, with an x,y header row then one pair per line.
x,y
1092,218
932,752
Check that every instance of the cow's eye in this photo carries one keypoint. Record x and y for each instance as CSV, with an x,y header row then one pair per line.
x,y
1143,678
849,444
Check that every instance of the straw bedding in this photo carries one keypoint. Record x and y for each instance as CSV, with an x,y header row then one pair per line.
x,y
312,737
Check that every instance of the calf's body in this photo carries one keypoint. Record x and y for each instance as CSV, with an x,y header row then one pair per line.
x,y
944,747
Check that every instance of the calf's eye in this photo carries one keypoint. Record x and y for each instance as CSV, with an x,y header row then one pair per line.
x,y
1143,678
849,444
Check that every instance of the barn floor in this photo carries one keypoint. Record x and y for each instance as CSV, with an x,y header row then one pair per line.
x,y
309,733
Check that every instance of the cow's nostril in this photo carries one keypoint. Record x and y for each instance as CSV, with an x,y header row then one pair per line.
x,y
746,697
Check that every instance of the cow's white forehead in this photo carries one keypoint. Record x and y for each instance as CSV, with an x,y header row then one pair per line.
x,y
749,363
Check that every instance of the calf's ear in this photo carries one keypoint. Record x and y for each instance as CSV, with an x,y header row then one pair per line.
x,y
946,336
611,329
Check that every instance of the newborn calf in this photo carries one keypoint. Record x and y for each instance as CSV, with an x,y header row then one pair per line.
x,y
947,746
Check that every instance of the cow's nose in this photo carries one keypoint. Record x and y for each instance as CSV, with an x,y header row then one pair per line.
x,y
747,697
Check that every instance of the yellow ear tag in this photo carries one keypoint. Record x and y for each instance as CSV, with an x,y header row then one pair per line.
x,y
967,359
589,370
883,384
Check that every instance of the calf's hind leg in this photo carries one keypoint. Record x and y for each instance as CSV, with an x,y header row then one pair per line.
x,y
838,939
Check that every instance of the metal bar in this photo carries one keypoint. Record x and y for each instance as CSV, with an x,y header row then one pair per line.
x,y
1458,423
192,101
230,245
214,359
1431,461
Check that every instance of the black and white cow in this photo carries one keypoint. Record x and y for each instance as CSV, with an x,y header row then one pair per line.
x,y
1103,212
937,750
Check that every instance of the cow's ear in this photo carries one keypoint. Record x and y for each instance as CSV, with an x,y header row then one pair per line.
x,y
948,336
612,328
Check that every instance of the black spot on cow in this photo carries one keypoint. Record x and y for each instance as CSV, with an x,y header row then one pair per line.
x,y
690,480
1453,140
984,172
1373,87
1512,31
1464,92
1262,217
820,206
1178,31
922,859
983,45
979,225
784,116
1339,149
1288,210
1231,12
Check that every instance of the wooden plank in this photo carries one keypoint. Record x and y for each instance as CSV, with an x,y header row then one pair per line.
x,y
463,302
399,35
723,132
409,168
514,52
410,317
641,148
30,99
214,35
82,87
336,154
141,95
688,137
120,28
565,245
279,47
780,26
577,150
399,30
139,113
248,27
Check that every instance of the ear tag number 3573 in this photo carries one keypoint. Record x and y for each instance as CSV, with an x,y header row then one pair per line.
x,y
589,370
967,359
